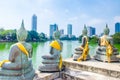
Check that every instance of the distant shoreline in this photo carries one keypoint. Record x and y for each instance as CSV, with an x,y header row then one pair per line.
x,y
35,41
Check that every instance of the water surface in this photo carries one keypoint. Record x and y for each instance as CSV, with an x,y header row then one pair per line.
x,y
41,48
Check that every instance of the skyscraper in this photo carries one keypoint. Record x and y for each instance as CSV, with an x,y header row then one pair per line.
x,y
117,27
62,32
69,30
53,28
34,22
91,31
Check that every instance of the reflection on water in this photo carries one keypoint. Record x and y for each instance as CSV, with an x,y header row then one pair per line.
x,y
41,48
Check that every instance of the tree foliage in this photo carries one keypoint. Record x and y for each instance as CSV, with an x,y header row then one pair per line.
x,y
93,39
42,37
116,38
80,38
10,35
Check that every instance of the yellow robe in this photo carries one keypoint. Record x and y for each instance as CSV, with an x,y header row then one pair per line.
x,y
57,46
22,48
85,51
109,49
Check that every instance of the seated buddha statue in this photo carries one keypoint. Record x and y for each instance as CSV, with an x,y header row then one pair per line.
x,y
19,65
52,62
81,52
106,51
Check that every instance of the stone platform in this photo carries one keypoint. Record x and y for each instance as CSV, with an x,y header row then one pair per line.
x,y
74,74
105,70
47,76
85,70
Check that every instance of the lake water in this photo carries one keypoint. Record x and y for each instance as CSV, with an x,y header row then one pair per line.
x,y
41,48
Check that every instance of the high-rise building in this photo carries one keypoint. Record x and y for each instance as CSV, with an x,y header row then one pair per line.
x,y
117,27
91,31
69,30
53,28
34,22
62,32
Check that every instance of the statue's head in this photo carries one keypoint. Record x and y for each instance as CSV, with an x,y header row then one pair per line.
x,y
56,34
21,33
106,30
84,31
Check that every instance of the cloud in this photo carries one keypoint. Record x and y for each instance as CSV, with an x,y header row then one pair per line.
x,y
84,16
79,17
66,11
47,13
116,19
95,21
75,18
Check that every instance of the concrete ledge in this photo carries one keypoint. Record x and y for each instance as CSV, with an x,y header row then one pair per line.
x,y
107,69
74,74
85,70
46,76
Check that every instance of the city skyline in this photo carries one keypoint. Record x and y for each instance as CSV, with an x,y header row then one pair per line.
x,y
34,22
95,13
91,31
52,29
117,27
69,30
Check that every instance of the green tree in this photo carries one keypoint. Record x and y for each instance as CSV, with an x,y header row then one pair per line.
x,y
8,35
116,38
93,39
42,37
1,30
80,38
5,34
33,36
29,36
13,35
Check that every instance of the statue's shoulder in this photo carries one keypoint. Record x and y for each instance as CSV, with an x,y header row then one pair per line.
x,y
13,46
61,43
28,45
85,37
109,38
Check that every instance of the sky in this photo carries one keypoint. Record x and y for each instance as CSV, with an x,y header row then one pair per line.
x,y
95,13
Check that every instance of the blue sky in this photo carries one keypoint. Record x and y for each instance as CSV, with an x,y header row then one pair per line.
x,y
94,13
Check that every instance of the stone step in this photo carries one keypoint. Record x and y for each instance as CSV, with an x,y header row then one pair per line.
x,y
47,76
107,69
74,74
